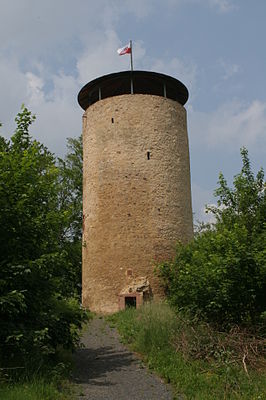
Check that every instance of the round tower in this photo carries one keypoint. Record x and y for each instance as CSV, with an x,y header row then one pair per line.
x,y
136,185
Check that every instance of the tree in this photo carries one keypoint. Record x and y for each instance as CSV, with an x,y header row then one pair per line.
x,y
70,205
71,187
222,273
37,315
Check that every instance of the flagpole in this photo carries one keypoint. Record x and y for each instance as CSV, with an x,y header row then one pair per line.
x,y
131,56
131,67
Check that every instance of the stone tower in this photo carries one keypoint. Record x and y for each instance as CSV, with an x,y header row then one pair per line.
x,y
136,185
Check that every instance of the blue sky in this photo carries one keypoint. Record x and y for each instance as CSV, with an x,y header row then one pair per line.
x,y
49,50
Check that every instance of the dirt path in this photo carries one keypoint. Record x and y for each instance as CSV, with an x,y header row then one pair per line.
x,y
106,370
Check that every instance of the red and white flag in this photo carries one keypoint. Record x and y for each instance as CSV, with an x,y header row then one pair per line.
x,y
124,50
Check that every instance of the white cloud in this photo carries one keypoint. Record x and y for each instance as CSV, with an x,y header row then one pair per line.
x,y
222,5
233,124
13,86
40,27
139,8
229,69
101,57
200,198
186,72
34,88
39,41
46,28
58,114
43,38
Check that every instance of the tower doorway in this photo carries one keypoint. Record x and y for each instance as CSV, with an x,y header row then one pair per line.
x,y
130,302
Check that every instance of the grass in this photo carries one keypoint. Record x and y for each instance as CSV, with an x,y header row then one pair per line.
x,y
200,363
37,389
50,382
46,382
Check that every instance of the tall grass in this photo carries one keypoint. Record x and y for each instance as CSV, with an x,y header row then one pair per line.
x,y
48,381
200,363
35,390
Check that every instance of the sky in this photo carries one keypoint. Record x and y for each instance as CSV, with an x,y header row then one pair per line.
x,y
50,49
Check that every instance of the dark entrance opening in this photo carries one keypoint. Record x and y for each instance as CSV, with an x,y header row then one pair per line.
x,y
130,302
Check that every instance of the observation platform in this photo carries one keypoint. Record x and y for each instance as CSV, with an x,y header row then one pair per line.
x,y
136,82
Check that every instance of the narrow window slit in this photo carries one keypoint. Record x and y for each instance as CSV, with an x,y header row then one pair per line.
x,y
148,155
112,120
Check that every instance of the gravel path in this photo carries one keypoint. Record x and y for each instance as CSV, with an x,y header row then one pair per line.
x,y
107,370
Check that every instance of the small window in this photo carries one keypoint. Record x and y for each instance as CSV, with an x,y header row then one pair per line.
x,y
130,302
112,120
148,155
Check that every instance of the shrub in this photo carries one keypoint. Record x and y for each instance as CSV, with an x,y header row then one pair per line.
x,y
199,361
37,313
221,275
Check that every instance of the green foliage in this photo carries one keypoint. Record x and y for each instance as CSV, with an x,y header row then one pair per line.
x,y
70,206
38,389
196,360
37,312
70,194
47,384
222,274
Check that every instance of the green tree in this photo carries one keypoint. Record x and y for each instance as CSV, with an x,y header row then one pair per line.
x,y
70,196
70,205
222,273
37,315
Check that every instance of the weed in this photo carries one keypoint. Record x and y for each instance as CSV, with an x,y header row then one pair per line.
x,y
33,390
200,363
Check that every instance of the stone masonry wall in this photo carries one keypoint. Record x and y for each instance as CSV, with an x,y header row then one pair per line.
x,y
136,193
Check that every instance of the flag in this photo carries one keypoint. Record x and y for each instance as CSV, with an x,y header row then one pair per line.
x,y
124,50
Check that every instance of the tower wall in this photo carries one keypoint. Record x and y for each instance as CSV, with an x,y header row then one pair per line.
x,y
136,193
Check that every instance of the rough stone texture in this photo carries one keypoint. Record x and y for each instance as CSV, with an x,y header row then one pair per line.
x,y
135,208
140,284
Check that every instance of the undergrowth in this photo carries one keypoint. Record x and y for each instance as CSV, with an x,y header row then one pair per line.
x,y
37,389
40,378
43,380
201,363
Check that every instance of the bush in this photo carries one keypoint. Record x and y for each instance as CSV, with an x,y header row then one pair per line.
x,y
200,362
37,312
221,275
